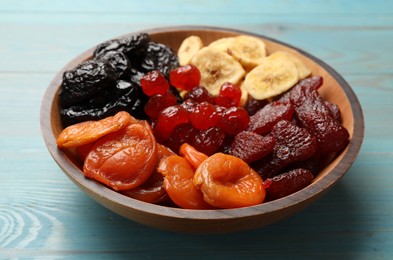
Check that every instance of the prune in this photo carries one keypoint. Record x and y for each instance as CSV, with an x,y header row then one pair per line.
x,y
157,56
132,102
130,45
86,81
287,183
119,63
251,147
263,121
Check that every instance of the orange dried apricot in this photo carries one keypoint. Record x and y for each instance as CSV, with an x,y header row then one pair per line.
x,y
124,159
152,190
192,155
178,183
228,182
89,131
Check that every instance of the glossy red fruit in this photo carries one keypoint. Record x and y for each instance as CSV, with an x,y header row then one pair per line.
x,y
263,121
185,77
184,133
169,119
204,116
287,183
254,105
229,95
251,147
234,120
199,94
208,141
154,83
157,103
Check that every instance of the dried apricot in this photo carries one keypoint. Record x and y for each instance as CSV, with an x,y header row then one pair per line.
x,y
179,184
192,155
152,190
228,182
89,131
124,159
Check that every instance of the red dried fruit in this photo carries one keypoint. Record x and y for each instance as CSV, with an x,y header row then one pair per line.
x,y
253,105
154,83
168,119
229,95
263,121
334,110
189,105
234,120
184,133
199,94
251,147
299,94
208,141
185,77
292,142
158,102
287,183
204,116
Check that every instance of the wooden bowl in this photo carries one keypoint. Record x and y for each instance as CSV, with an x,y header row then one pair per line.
x,y
335,89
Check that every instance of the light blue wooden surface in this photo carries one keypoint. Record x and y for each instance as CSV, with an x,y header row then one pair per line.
x,y
43,215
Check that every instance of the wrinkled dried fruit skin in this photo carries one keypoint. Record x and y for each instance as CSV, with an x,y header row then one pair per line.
x,y
86,81
314,114
119,62
263,121
129,45
251,147
287,183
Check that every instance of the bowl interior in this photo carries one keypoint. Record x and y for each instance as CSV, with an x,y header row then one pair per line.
x,y
334,89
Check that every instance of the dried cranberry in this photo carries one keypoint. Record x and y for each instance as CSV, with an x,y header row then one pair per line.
x,y
234,120
154,83
159,102
185,77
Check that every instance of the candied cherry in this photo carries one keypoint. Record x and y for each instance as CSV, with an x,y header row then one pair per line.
x,y
234,120
199,94
185,77
168,119
208,141
229,95
204,116
159,102
154,83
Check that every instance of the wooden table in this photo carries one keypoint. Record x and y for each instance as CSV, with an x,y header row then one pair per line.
x,y
44,215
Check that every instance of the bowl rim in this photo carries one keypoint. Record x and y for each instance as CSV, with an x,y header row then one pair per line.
x,y
92,187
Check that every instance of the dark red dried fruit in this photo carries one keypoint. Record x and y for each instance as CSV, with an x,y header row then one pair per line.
x,y
263,121
299,94
287,183
158,102
251,147
184,133
334,111
204,116
169,119
208,141
253,105
185,77
189,105
199,94
234,120
229,95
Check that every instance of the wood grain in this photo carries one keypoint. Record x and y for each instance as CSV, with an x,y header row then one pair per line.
x,y
352,221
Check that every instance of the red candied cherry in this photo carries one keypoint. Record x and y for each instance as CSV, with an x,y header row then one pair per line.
x,y
185,77
169,119
154,83
199,94
204,116
189,105
229,95
208,141
159,102
234,120
184,133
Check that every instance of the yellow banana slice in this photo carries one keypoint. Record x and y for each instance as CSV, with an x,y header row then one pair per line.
x,y
275,75
302,69
188,48
244,97
216,68
247,50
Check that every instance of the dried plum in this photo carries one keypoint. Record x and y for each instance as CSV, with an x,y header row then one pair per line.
x,y
129,45
85,81
119,63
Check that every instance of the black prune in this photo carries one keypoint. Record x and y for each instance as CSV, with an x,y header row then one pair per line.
x,y
119,63
129,45
158,57
132,101
86,81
